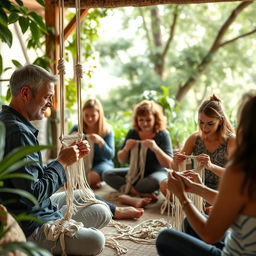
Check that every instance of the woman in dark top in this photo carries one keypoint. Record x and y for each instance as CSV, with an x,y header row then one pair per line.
x,y
148,135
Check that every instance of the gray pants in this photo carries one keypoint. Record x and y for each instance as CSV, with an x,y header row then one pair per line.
x,y
88,240
149,184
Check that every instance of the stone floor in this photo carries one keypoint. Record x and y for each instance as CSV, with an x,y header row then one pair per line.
x,y
152,212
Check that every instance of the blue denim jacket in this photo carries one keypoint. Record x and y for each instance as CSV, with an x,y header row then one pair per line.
x,y
47,179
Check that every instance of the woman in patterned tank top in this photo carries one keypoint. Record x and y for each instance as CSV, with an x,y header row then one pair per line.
x,y
234,205
212,144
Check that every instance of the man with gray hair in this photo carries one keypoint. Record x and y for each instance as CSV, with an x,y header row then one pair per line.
x,y
32,90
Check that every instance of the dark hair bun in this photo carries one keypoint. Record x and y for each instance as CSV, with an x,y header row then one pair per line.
x,y
215,98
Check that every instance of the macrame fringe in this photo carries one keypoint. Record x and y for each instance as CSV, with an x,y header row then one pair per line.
x,y
76,179
173,206
147,231
88,160
136,170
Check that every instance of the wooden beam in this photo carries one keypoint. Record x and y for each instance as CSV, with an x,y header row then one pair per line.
x,y
52,51
72,24
137,3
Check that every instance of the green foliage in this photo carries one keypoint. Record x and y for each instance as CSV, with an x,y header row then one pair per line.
x,y
31,24
179,123
196,28
88,35
8,165
120,129
27,248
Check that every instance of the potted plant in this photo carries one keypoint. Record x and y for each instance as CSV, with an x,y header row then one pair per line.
x,y
12,238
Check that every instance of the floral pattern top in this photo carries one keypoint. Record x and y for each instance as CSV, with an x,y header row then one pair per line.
x,y
218,157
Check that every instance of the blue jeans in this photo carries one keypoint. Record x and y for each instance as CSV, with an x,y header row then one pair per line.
x,y
171,242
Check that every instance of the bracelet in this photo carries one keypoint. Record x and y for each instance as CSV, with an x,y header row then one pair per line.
x,y
185,202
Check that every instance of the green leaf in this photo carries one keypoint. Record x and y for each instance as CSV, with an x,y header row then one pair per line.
x,y
16,166
19,2
16,63
23,217
24,23
8,94
35,31
43,62
18,154
17,176
13,17
1,64
3,18
6,35
5,4
39,21
41,2
2,139
21,193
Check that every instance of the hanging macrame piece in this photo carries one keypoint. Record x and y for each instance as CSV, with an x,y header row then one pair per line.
x,y
75,173
137,166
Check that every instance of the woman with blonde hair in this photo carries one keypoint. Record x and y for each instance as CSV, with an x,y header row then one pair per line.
x,y
101,136
100,133
148,149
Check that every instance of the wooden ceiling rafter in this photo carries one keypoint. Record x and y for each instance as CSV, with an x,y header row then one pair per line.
x,y
72,24
135,3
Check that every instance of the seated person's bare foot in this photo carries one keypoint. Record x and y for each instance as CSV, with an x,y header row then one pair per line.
x,y
148,195
137,202
128,213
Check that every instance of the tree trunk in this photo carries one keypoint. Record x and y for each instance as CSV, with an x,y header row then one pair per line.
x,y
217,44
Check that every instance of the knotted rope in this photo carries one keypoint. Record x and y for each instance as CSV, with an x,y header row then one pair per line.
x,y
137,166
76,176
145,233
172,202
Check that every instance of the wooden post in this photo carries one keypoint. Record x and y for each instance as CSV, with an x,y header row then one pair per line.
x,y
52,51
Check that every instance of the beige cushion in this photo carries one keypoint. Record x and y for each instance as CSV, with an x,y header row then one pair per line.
x,y
15,234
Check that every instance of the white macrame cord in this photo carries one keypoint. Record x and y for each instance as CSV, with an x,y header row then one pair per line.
x,y
76,175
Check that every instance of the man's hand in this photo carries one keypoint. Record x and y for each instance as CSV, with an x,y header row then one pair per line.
x,y
73,153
